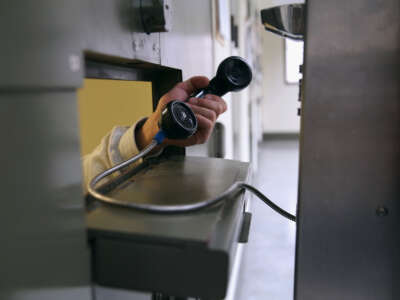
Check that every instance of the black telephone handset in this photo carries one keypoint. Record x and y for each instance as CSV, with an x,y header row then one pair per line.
x,y
178,120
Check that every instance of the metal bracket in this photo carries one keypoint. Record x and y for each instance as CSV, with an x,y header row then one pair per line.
x,y
153,15
244,232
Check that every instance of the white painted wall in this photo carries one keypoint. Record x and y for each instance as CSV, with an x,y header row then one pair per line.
x,y
222,51
241,99
189,43
191,46
279,106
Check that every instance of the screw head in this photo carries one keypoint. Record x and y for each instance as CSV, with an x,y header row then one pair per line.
x,y
382,211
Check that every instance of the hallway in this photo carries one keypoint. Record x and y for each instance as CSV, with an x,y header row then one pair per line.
x,y
267,270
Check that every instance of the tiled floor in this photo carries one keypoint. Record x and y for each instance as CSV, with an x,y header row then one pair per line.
x,y
267,271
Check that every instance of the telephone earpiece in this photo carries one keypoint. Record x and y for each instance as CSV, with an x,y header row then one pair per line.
x,y
178,120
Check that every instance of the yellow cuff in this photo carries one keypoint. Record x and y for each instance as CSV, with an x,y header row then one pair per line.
x,y
127,145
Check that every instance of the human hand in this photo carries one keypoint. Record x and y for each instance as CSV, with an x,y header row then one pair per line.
x,y
206,109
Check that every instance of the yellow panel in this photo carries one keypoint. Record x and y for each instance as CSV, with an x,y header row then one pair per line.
x,y
105,103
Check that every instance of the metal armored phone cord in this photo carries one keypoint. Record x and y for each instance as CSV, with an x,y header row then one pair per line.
x,y
158,139
169,209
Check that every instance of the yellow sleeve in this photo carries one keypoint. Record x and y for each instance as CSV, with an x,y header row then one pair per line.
x,y
117,146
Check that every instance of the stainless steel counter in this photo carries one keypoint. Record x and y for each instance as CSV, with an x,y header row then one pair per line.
x,y
181,254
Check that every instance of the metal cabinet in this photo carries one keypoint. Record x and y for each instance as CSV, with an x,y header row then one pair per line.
x,y
349,213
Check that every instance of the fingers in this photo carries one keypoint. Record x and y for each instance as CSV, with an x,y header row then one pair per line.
x,y
215,103
205,123
206,109
193,84
205,127
183,90
205,112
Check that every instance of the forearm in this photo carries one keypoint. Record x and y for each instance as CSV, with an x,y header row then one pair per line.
x,y
117,146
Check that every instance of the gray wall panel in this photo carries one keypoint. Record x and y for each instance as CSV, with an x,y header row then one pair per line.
x,y
40,44
43,41
106,27
42,233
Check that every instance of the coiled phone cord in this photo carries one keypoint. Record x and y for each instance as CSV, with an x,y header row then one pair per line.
x,y
170,209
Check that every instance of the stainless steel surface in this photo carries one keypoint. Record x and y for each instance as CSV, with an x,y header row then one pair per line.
x,y
174,199
285,20
199,243
44,253
216,146
350,153
181,180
